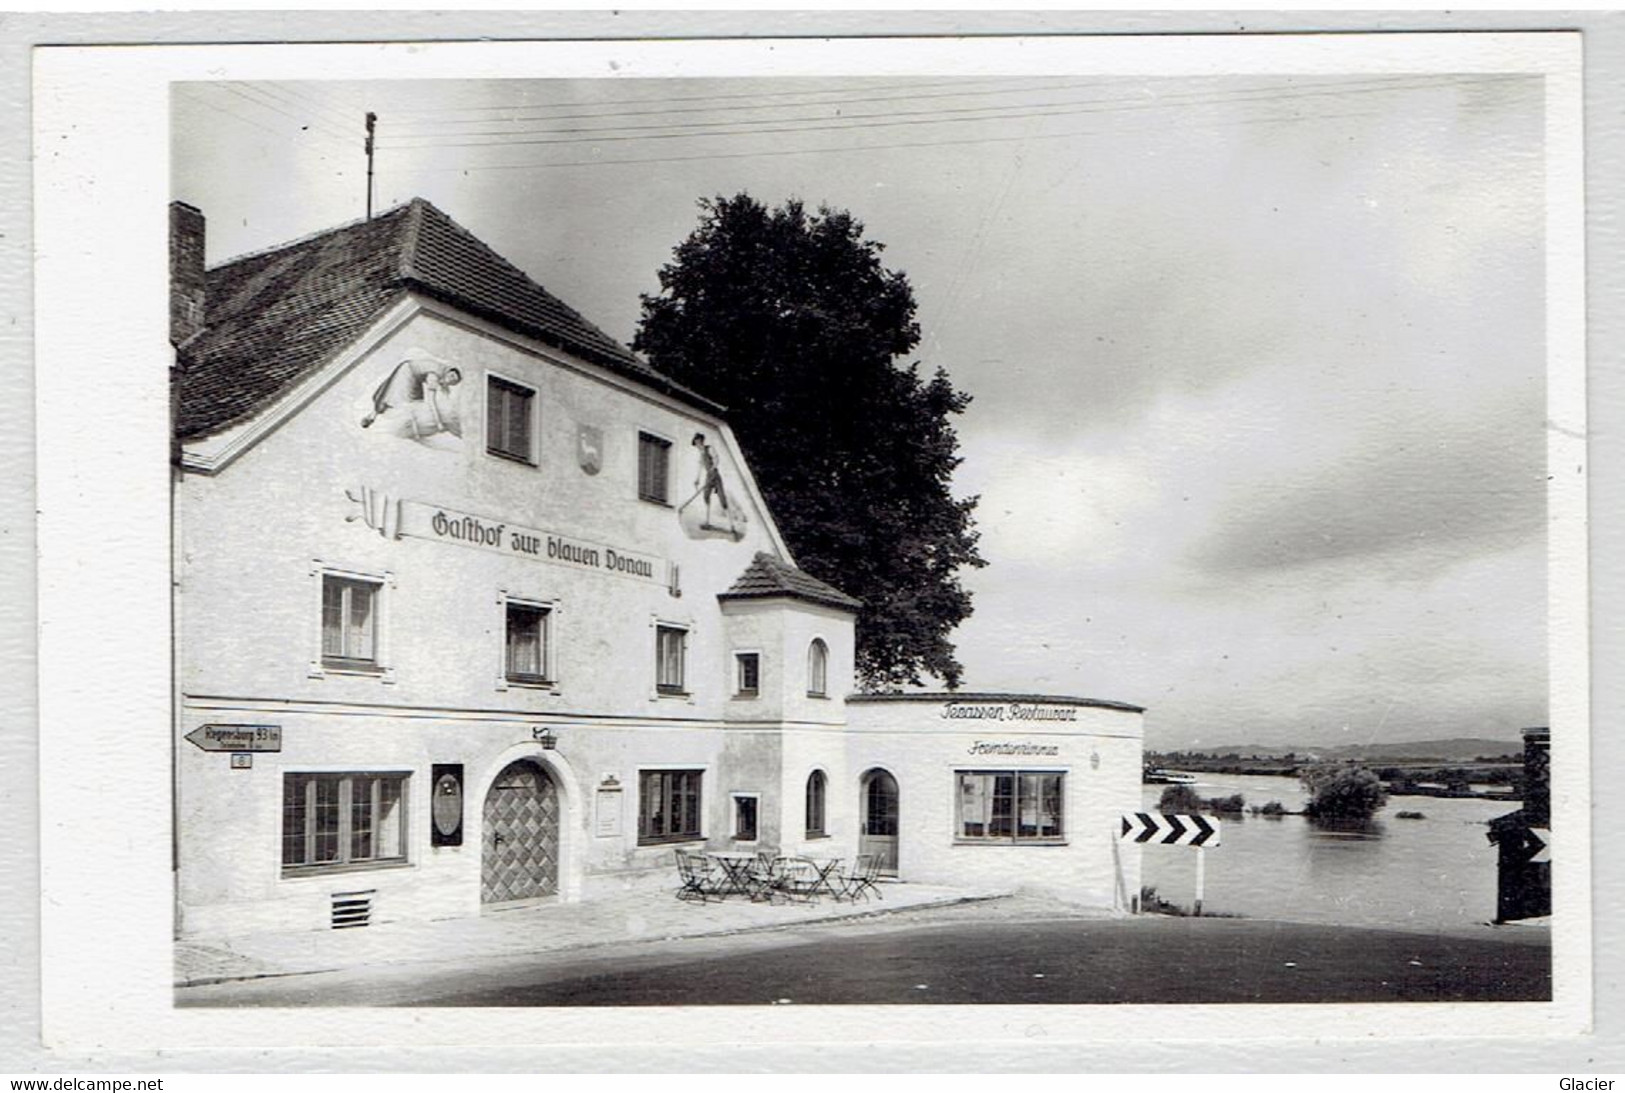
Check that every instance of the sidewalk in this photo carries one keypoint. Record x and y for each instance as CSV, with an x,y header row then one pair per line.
x,y
629,918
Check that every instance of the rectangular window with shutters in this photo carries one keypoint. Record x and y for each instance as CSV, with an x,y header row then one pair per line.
x,y
349,622
343,821
509,414
1009,806
654,463
525,660
668,806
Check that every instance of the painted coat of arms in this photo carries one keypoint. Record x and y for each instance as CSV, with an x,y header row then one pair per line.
x,y
590,448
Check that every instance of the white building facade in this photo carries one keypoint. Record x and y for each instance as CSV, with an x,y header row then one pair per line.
x,y
1000,790
475,608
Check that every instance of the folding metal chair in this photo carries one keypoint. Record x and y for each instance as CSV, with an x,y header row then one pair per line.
x,y
861,881
799,879
694,875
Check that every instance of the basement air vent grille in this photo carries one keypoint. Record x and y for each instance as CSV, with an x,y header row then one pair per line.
x,y
352,909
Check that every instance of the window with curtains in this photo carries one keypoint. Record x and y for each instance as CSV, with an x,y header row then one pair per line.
x,y
816,784
818,668
671,647
509,408
668,806
336,821
349,622
526,658
654,459
1010,806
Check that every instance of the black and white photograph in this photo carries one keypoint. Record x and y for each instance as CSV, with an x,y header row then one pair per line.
x,y
933,525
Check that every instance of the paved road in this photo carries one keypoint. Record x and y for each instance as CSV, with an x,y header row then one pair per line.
x,y
951,960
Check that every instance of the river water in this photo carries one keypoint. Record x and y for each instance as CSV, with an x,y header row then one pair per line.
x,y
1437,872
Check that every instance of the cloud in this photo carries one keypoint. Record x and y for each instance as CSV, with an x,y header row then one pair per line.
x,y
1301,656
1420,490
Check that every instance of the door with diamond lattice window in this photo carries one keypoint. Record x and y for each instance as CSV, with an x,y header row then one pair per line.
x,y
520,855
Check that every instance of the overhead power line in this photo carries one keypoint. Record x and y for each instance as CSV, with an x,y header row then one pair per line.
x,y
348,124
872,147
297,111
896,119
757,106
967,84
269,105
206,100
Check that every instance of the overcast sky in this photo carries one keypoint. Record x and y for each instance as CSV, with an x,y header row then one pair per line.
x,y
1258,364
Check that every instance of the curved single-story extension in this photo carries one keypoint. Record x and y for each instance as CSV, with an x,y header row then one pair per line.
x,y
1018,790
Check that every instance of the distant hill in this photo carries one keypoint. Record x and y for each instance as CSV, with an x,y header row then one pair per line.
x,y
1456,749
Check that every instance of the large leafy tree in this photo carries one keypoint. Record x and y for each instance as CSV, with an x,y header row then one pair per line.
x,y
789,319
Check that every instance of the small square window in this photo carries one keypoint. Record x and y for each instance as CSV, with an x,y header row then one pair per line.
x,y
671,648
508,410
349,622
748,673
654,461
526,657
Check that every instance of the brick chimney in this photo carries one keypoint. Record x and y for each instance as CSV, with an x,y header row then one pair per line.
x,y
186,287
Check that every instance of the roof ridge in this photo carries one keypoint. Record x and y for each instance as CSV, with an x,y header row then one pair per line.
x,y
308,237
410,239
510,267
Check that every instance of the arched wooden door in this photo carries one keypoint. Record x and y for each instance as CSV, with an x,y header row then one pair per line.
x,y
520,845
877,813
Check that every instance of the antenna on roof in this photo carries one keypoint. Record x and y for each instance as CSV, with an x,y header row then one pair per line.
x,y
372,123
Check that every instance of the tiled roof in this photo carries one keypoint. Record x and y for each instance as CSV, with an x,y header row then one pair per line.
x,y
767,576
273,318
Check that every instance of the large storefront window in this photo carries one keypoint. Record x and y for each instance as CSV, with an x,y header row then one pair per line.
x,y
668,806
338,820
1010,806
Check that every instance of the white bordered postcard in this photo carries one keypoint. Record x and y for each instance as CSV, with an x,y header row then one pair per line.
x,y
768,540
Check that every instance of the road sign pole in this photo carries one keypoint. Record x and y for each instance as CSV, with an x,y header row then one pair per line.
x,y
1201,862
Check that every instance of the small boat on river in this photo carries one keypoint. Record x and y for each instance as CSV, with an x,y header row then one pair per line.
x,y
1156,776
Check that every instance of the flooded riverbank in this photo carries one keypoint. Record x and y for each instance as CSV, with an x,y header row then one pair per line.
x,y
1437,872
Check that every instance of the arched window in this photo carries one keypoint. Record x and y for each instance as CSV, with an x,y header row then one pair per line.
x,y
818,668
815,804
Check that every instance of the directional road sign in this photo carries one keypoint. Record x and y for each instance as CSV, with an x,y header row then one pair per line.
x,y
237,738
1539,844
1154,827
